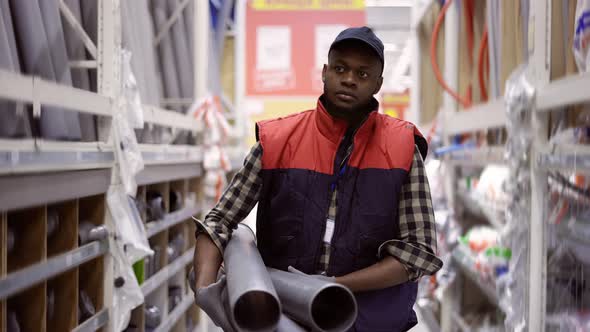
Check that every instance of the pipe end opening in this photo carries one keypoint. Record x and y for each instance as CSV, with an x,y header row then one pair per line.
x,y
324,313
257,310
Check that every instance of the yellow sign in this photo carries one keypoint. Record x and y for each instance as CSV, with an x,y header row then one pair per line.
x,y
392,112
391,98
308,4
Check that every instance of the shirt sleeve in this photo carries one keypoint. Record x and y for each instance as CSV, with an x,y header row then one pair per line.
x,y
236,202
416,246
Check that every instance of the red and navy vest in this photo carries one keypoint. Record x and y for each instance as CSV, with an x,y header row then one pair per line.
x,y
299,168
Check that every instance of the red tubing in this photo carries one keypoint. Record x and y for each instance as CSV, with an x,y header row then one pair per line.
x,y
482,60
465,102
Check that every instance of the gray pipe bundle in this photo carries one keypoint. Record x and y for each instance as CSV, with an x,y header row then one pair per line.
x,y
36,59
319,304
14,120
184,67
59,60
253,300
80,78
166,53
286,324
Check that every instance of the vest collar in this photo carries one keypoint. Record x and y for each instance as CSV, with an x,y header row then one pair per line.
x,y
333,128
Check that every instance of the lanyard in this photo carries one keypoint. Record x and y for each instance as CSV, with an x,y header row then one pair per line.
x,y
342,169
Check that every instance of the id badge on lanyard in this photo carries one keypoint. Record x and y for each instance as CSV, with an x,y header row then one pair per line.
x,y
330,222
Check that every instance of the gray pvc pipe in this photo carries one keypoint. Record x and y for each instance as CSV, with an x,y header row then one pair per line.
x,y
166,53
14,120
89,11
253,300
286,324
31,36
184,67
59,59
80,79
319,304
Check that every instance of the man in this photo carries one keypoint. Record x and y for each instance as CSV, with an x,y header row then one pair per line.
x,y
341,192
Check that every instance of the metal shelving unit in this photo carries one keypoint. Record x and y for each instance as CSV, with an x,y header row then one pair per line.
x,y
170,220
94,323
166,273
465,262
41,172
477,156
550,96
30,276
481,210
176,314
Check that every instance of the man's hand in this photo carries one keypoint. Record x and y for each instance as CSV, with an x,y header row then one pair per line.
x,y
317,276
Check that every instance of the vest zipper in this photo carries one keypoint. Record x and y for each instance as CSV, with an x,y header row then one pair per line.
x,y
337,175
339,172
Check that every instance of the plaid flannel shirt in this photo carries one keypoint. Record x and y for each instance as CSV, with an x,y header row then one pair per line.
x,y
414,249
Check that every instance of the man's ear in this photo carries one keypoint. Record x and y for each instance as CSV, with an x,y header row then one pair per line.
x,y
379,84
324,70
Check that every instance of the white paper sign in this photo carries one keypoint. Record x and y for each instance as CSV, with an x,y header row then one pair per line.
x,y
273,48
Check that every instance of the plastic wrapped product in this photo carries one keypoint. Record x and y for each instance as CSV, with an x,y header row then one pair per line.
x,y
176,200
52,222
126,147
127,294
155,206
175,247
582,35
519,97
129,226
131,93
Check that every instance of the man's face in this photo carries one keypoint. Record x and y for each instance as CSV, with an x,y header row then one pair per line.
x,y
352,76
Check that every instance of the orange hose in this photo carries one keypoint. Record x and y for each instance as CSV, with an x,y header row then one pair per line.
x,y
466,103
469,27
481,58
431,132
486,60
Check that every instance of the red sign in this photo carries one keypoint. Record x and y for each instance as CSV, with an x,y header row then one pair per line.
x,y
286,46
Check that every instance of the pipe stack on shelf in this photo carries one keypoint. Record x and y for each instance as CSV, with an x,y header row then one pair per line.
x,y
59,90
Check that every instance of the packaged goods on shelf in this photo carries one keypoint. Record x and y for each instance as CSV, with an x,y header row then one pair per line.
x,y
486,256
582,35
153,317
155,206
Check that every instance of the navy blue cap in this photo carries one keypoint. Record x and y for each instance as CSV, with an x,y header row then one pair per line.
x,y
364,34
